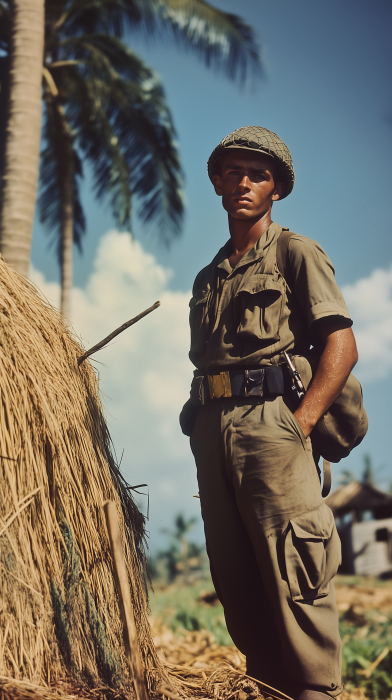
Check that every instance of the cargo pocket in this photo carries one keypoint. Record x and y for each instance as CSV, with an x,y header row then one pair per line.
x,y
260,305
312,554
198,319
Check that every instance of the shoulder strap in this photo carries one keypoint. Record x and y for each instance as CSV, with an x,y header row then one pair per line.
x,y
282,260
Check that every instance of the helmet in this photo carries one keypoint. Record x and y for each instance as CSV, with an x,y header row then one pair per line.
x,y
257,138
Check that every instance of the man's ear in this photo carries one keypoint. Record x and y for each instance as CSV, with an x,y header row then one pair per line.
x,y
217,182
278,191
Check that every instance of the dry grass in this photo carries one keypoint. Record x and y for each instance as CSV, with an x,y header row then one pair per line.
x,y
58,607
206,669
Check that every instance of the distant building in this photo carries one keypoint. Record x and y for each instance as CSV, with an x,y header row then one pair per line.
x,y
363,516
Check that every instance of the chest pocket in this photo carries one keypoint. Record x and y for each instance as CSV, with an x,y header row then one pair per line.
x,y
198,319
260,304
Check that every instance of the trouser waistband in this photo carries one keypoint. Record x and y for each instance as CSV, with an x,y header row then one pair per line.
x,y
263,381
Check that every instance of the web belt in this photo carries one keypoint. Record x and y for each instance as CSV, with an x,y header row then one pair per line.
x,y
264,381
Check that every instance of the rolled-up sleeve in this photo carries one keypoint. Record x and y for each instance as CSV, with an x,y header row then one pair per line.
x,y
313,279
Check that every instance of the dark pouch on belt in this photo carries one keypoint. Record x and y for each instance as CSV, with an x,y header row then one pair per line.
x,y
188,417
190,410
275,381
198,392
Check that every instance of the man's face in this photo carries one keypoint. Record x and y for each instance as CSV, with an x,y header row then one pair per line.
x,y
247,184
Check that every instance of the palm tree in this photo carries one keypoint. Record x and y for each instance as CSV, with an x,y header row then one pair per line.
x,y
368,474
104,105
177,557
346,477
20,79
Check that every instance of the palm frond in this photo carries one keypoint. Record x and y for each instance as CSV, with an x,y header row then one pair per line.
x,y
100,49
53,156
87,114
117,106
89,16
222,40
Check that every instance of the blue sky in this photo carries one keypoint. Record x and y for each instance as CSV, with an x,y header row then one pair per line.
x,y
327,92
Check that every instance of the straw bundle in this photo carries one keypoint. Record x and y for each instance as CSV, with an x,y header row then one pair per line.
x,y
59,613
207,669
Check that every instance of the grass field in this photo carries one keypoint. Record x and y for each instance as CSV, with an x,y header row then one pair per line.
x,y
365,625
178,608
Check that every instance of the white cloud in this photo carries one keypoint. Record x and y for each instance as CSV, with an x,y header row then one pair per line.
x,y
146,373
370,303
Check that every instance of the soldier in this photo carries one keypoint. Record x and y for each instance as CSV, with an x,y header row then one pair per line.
x,y
271,540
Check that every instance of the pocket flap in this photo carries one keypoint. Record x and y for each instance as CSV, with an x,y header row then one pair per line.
x,y
199,298
316,525
261,283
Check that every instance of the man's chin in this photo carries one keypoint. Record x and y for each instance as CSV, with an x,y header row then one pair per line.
x,y
244,214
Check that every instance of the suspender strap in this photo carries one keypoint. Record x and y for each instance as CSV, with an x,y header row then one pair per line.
x,y
282,246
327,478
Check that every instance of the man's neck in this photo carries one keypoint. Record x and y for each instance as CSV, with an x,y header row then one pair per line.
x,y
245,233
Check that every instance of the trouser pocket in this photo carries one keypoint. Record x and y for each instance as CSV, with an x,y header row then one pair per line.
x,y
312,554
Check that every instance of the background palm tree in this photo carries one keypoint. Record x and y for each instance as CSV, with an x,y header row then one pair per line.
x,y
369,473
181,558
103,104
20,120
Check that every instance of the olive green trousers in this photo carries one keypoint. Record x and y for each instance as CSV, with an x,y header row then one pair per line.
x,y
272,542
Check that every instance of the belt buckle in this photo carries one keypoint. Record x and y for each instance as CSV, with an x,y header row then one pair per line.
x,y
219,385
254,380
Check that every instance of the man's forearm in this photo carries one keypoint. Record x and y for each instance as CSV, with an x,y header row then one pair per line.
x,y
336,362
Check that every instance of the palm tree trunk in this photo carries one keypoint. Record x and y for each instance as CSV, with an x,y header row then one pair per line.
x,y
67,239
21,164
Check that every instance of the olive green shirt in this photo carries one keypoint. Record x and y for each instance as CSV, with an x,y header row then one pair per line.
x,y
248,315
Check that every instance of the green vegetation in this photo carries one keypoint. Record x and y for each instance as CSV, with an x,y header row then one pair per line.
x,y
179,608
182,561
364,635
362,644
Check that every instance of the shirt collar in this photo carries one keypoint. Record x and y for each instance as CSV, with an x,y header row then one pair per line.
x,y
255,253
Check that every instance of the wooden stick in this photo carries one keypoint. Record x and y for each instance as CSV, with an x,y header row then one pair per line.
x,y
122,328
367,672
129,628
270,687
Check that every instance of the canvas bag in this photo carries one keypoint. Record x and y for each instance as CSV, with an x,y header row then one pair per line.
x,y
345,423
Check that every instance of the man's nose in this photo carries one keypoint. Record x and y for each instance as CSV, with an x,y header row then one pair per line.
x,y
245,182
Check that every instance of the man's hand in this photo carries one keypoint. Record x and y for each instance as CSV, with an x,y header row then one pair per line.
x,y
336,362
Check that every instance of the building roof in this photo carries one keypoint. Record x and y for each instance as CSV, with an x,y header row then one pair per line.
x,y
357,497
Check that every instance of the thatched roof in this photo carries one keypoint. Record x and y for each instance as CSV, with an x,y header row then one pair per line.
x,y
357,496
59,613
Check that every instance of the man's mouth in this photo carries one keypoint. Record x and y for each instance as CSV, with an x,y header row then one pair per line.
x,y
242,199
